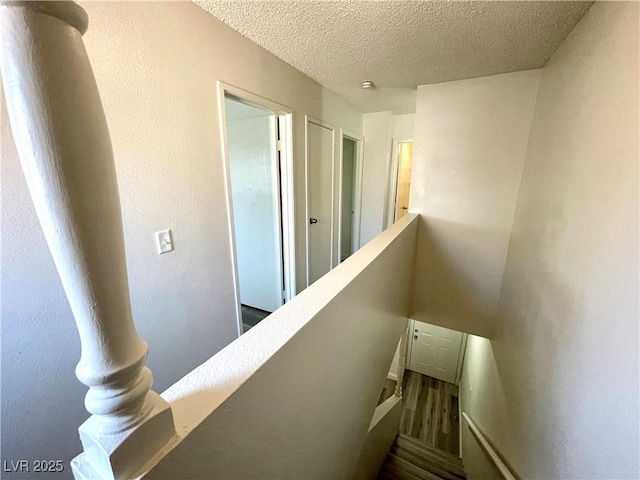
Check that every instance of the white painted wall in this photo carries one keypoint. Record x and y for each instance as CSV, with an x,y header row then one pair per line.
x,y
382,432
470,144
556,390
404,125
256,199
482,397
477,465
295,396
377,148
156,65
380,128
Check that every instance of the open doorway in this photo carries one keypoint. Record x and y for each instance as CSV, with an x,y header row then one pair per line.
x,y
350,195
400,186
259,198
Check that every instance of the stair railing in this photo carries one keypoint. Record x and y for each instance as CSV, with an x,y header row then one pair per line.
x,y
489,451
65,150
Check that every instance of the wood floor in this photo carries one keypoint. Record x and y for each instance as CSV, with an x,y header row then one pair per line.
x,y
251,317
430,411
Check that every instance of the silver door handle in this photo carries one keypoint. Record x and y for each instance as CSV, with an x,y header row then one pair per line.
x,y
313,220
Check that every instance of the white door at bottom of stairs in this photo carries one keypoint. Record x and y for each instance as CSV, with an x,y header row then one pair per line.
x,y
434,351
320,151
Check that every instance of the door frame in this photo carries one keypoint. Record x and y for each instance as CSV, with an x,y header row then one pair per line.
x,y
284,118
309,119
461,356
357,194
392,187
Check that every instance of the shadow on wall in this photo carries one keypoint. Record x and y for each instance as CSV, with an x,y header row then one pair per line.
x,y
286,363
482,397
518,388
476,462
455,283
537,351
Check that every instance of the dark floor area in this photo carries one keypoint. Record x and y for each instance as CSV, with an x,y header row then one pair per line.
x,y
251,317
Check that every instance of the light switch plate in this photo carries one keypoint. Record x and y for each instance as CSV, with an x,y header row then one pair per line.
x,y
164,242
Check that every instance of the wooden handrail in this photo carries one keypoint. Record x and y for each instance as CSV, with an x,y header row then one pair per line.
x,y
488,450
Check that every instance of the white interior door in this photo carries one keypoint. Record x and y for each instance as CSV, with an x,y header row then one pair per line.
x,y
320,160
434,351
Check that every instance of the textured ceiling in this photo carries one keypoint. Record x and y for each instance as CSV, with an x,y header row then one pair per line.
x,y
401,44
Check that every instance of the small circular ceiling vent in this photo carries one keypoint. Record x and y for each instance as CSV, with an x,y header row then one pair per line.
x,y
367,84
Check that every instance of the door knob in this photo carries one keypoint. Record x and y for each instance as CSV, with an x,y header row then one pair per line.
x,y
404,208
416,330
313,220
415,337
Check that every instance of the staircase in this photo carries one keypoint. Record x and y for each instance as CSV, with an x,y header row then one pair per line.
x,y
410,459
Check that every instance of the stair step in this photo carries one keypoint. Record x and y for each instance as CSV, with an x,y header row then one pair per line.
x,y
382,475
430,463
390,471
416,445
403,470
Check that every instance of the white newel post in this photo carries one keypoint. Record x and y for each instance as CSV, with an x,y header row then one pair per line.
x,y
62,138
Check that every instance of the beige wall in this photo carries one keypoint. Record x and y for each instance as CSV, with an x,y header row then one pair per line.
x,y
477,465
294,397
380,129
470,144
404,125
556,389
482,397
156,65
383,430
